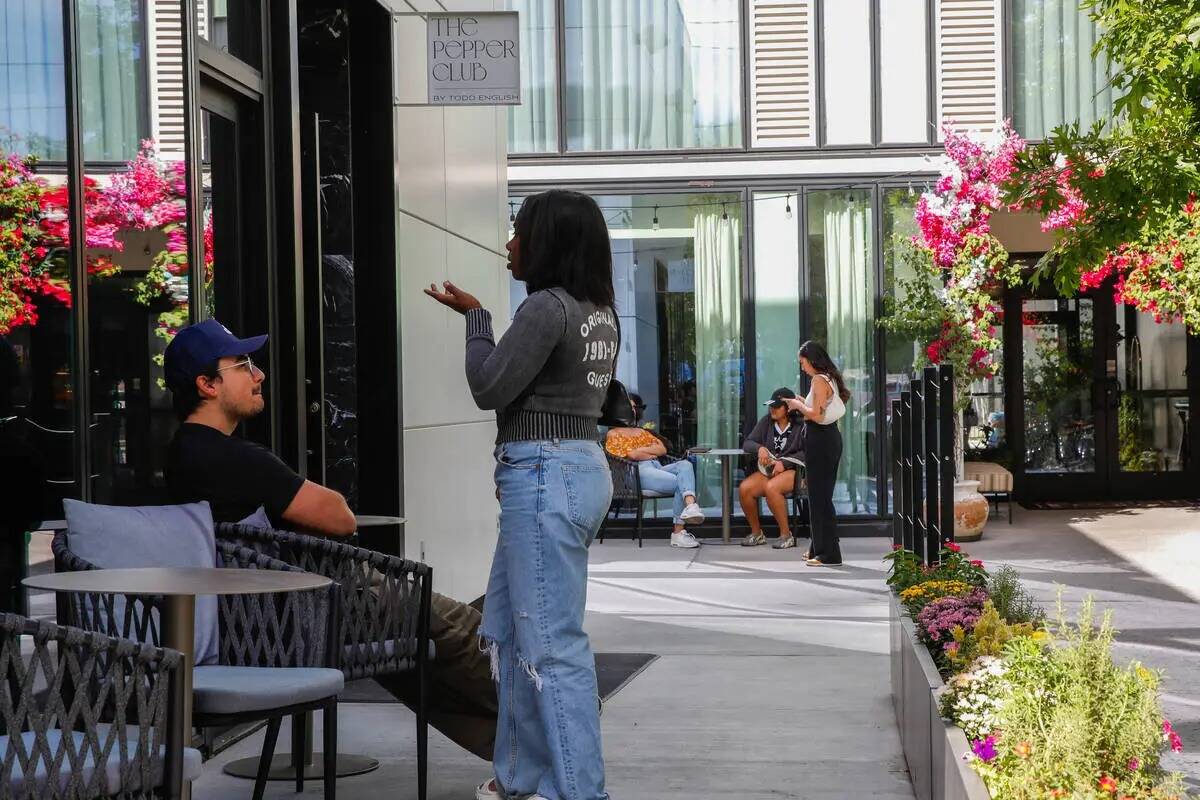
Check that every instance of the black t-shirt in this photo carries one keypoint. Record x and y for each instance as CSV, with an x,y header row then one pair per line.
x,y
234,475
779,441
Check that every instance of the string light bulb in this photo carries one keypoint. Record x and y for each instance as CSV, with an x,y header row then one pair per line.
x,y
512,214
724,213
654,224
787,210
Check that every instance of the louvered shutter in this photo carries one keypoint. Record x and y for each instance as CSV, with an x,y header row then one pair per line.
x,y
166,73
782,80
970,61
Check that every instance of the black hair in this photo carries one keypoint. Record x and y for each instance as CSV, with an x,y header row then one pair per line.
x,y
818,356
564,243
639,406
186,397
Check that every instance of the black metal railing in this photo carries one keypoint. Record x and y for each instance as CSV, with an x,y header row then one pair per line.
x,y
922,461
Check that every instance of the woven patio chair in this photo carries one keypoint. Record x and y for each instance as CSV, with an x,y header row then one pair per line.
x,y
83,715
385,607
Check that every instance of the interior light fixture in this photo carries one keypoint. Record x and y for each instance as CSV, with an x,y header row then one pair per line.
x,y
724,213
512,214
787,210
654,224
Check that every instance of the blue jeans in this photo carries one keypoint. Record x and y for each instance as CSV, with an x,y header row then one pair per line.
x,y
678,478
553,496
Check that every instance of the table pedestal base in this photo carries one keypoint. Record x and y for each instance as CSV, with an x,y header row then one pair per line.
x,y
282,768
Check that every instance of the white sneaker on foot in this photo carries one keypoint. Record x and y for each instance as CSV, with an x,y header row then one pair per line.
x,y
692,515
684,539
487,790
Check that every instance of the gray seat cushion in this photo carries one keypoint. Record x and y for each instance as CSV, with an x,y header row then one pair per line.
x,y
233,690
35,785
112,537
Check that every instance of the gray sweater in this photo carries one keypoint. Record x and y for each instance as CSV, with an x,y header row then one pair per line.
x,y
548,375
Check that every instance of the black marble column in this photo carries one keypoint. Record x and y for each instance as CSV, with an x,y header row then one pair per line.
x,y
325,91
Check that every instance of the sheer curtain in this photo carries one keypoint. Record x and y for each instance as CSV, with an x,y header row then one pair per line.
x,y
112,78
718,305
533,125
1057,79
849,324
652,74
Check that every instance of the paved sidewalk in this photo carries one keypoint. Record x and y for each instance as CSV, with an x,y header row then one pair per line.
x,y
772,682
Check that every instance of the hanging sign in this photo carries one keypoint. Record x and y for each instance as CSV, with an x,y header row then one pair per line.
x,y
474,59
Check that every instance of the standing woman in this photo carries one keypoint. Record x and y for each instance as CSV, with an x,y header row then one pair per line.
x,y
824,406
547,379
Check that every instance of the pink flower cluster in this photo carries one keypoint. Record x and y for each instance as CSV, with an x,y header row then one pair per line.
x,y
968,191
938,619
1073,210
1171,737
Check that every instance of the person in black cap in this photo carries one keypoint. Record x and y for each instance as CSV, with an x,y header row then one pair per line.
x,y
215,386
774,440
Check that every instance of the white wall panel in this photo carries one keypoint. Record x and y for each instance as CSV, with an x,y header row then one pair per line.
x,y
847,71
421,162
904,71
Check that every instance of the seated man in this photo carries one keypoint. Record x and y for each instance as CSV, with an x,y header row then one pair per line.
x,y
215,386
775,438
677,478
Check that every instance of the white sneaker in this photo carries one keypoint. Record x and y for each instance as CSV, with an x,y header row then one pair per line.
x,y
684,539
692,515
487,790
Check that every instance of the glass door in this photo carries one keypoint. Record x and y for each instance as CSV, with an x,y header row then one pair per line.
x,y
1101,400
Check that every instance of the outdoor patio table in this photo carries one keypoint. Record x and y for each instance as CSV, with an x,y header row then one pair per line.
x,y
727,458
179,587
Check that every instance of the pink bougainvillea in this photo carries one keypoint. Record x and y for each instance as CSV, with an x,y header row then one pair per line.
x,y
35,234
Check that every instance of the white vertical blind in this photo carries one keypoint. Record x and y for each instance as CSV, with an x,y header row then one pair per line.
x,y
903,73
847,71
970,63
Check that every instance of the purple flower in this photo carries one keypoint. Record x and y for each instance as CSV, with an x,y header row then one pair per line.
x,y
1134,765
938,619
985,749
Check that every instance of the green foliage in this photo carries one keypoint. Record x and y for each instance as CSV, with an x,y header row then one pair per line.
x,y
1134,173
1132,453
1070,723
1012,600
907,570
988,638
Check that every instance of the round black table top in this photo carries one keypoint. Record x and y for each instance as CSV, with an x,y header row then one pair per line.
x,y
376,521
177,581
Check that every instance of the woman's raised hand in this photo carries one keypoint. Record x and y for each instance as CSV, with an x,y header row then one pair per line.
x,y
453,297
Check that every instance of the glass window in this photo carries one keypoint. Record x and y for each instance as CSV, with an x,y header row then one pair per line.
x,y
1057,350
903,71
1152,409
846,72
234,28
776,293
37,345
841,290
1056,80
653,74
678,292
533,125
113,76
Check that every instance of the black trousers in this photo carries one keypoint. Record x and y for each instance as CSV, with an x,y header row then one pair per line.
x,y
822,452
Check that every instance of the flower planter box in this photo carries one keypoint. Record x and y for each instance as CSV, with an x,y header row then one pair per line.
x,y
935,751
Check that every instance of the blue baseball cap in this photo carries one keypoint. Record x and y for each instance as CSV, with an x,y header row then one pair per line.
x,y
197,346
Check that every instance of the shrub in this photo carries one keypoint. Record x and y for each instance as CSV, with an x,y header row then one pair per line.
x,y
917,597
936,622
987,638
1070,723
1012,600
907,569
971,699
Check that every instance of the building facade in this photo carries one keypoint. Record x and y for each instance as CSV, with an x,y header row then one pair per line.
x,y
757,160
270,143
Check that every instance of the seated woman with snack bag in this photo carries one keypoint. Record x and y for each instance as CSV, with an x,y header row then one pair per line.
x,y
677,478
778,450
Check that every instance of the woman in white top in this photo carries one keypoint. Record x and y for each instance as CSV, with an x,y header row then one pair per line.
x,y
824,406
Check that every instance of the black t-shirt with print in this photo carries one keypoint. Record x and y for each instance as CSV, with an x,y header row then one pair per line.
x,y
779,440
234,475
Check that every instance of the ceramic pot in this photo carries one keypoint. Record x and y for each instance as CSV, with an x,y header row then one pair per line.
x,y
970,511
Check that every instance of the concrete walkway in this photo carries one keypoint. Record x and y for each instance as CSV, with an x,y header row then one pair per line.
x,y
772,682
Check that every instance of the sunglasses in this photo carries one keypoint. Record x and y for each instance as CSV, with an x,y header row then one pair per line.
x,y
246,363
